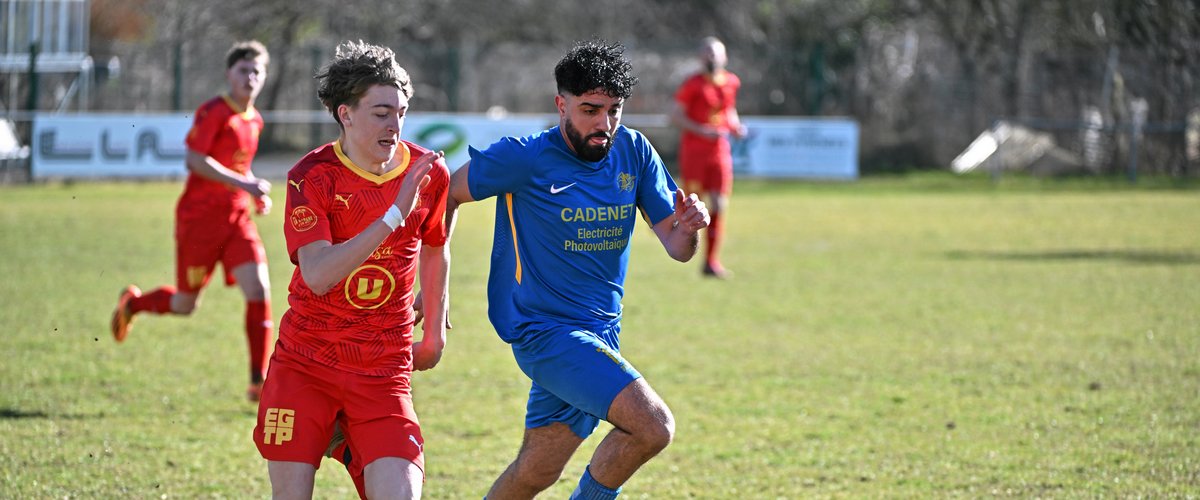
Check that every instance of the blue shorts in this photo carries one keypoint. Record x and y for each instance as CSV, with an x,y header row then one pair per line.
x,y
576,374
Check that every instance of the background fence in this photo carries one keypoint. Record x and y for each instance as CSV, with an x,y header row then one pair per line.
x,y
922,78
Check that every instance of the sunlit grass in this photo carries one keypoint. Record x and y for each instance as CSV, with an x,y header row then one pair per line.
x,y
910,337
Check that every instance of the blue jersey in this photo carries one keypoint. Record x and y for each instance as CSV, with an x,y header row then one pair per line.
x,y
563,225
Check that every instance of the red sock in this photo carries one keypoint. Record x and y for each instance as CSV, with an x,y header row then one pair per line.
x,y
158,301
713,238
258,334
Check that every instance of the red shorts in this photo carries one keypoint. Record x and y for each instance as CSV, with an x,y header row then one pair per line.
x,y
202,240
301,400
706,166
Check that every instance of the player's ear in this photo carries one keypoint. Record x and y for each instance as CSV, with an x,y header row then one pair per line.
x,y
560,102
343,111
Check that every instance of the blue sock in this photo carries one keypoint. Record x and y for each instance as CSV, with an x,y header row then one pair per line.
x,y
589,489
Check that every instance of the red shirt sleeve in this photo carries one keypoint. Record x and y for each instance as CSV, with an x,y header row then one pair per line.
x,y
205,126
686,93
307,209
731,89
699,100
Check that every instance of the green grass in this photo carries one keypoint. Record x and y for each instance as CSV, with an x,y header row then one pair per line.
x,y
909,337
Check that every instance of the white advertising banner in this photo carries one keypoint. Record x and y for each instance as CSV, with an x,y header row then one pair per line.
x,y
452,133
133,145
130,145
109,145
815,148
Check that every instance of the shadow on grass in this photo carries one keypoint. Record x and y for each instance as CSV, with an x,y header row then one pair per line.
x,y
1128,256
18,414
15,414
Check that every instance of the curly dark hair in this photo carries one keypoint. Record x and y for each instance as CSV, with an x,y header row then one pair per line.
x,y
595,64
355,67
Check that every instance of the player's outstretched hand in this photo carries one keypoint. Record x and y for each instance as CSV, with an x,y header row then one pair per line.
x,y
690,212
415,180
256,187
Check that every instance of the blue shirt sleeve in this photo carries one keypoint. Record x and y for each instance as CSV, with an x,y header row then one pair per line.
x,y
501,168
656,191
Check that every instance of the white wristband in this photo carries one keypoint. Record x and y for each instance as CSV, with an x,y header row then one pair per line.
x,y
393,218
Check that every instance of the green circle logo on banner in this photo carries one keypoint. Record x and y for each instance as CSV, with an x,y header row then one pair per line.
x,y
446,137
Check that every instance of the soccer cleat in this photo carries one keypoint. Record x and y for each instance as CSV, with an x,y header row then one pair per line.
x,y
717,271
122,317
254,391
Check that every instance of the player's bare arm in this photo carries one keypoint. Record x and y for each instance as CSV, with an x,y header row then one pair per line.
x,y
419,308
452,204
323,264
678,233
680,119
207,167
435,299
735,124
459,193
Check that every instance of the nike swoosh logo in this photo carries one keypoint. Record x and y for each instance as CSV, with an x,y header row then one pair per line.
x,y
555,189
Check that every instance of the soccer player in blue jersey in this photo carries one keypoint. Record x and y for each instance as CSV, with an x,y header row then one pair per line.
x,y
568,200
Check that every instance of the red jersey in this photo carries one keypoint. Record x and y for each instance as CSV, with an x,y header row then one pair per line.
x,y
222,130
708,99
364,323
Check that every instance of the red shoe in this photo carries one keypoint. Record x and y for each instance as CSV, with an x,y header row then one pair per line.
x,y
122,317
255,391
717,271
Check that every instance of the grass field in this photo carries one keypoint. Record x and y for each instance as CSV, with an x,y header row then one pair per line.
x,y
914,338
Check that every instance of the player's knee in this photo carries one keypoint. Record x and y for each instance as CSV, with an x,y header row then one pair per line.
x,y
255,294
255,290
392,477
663,433
536,483
537,477
254,280
183,305
659,434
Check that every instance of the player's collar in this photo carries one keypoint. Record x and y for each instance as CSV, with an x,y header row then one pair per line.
x,y
247,113
718,78
401,166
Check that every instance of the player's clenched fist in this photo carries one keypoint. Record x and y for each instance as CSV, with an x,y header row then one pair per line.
x,y
690,212
262,205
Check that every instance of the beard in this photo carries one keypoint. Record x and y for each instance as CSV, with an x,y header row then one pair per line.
x,y
583,149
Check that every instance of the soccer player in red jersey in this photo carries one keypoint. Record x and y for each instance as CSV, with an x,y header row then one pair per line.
x,y
212,218
706,111
364,215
